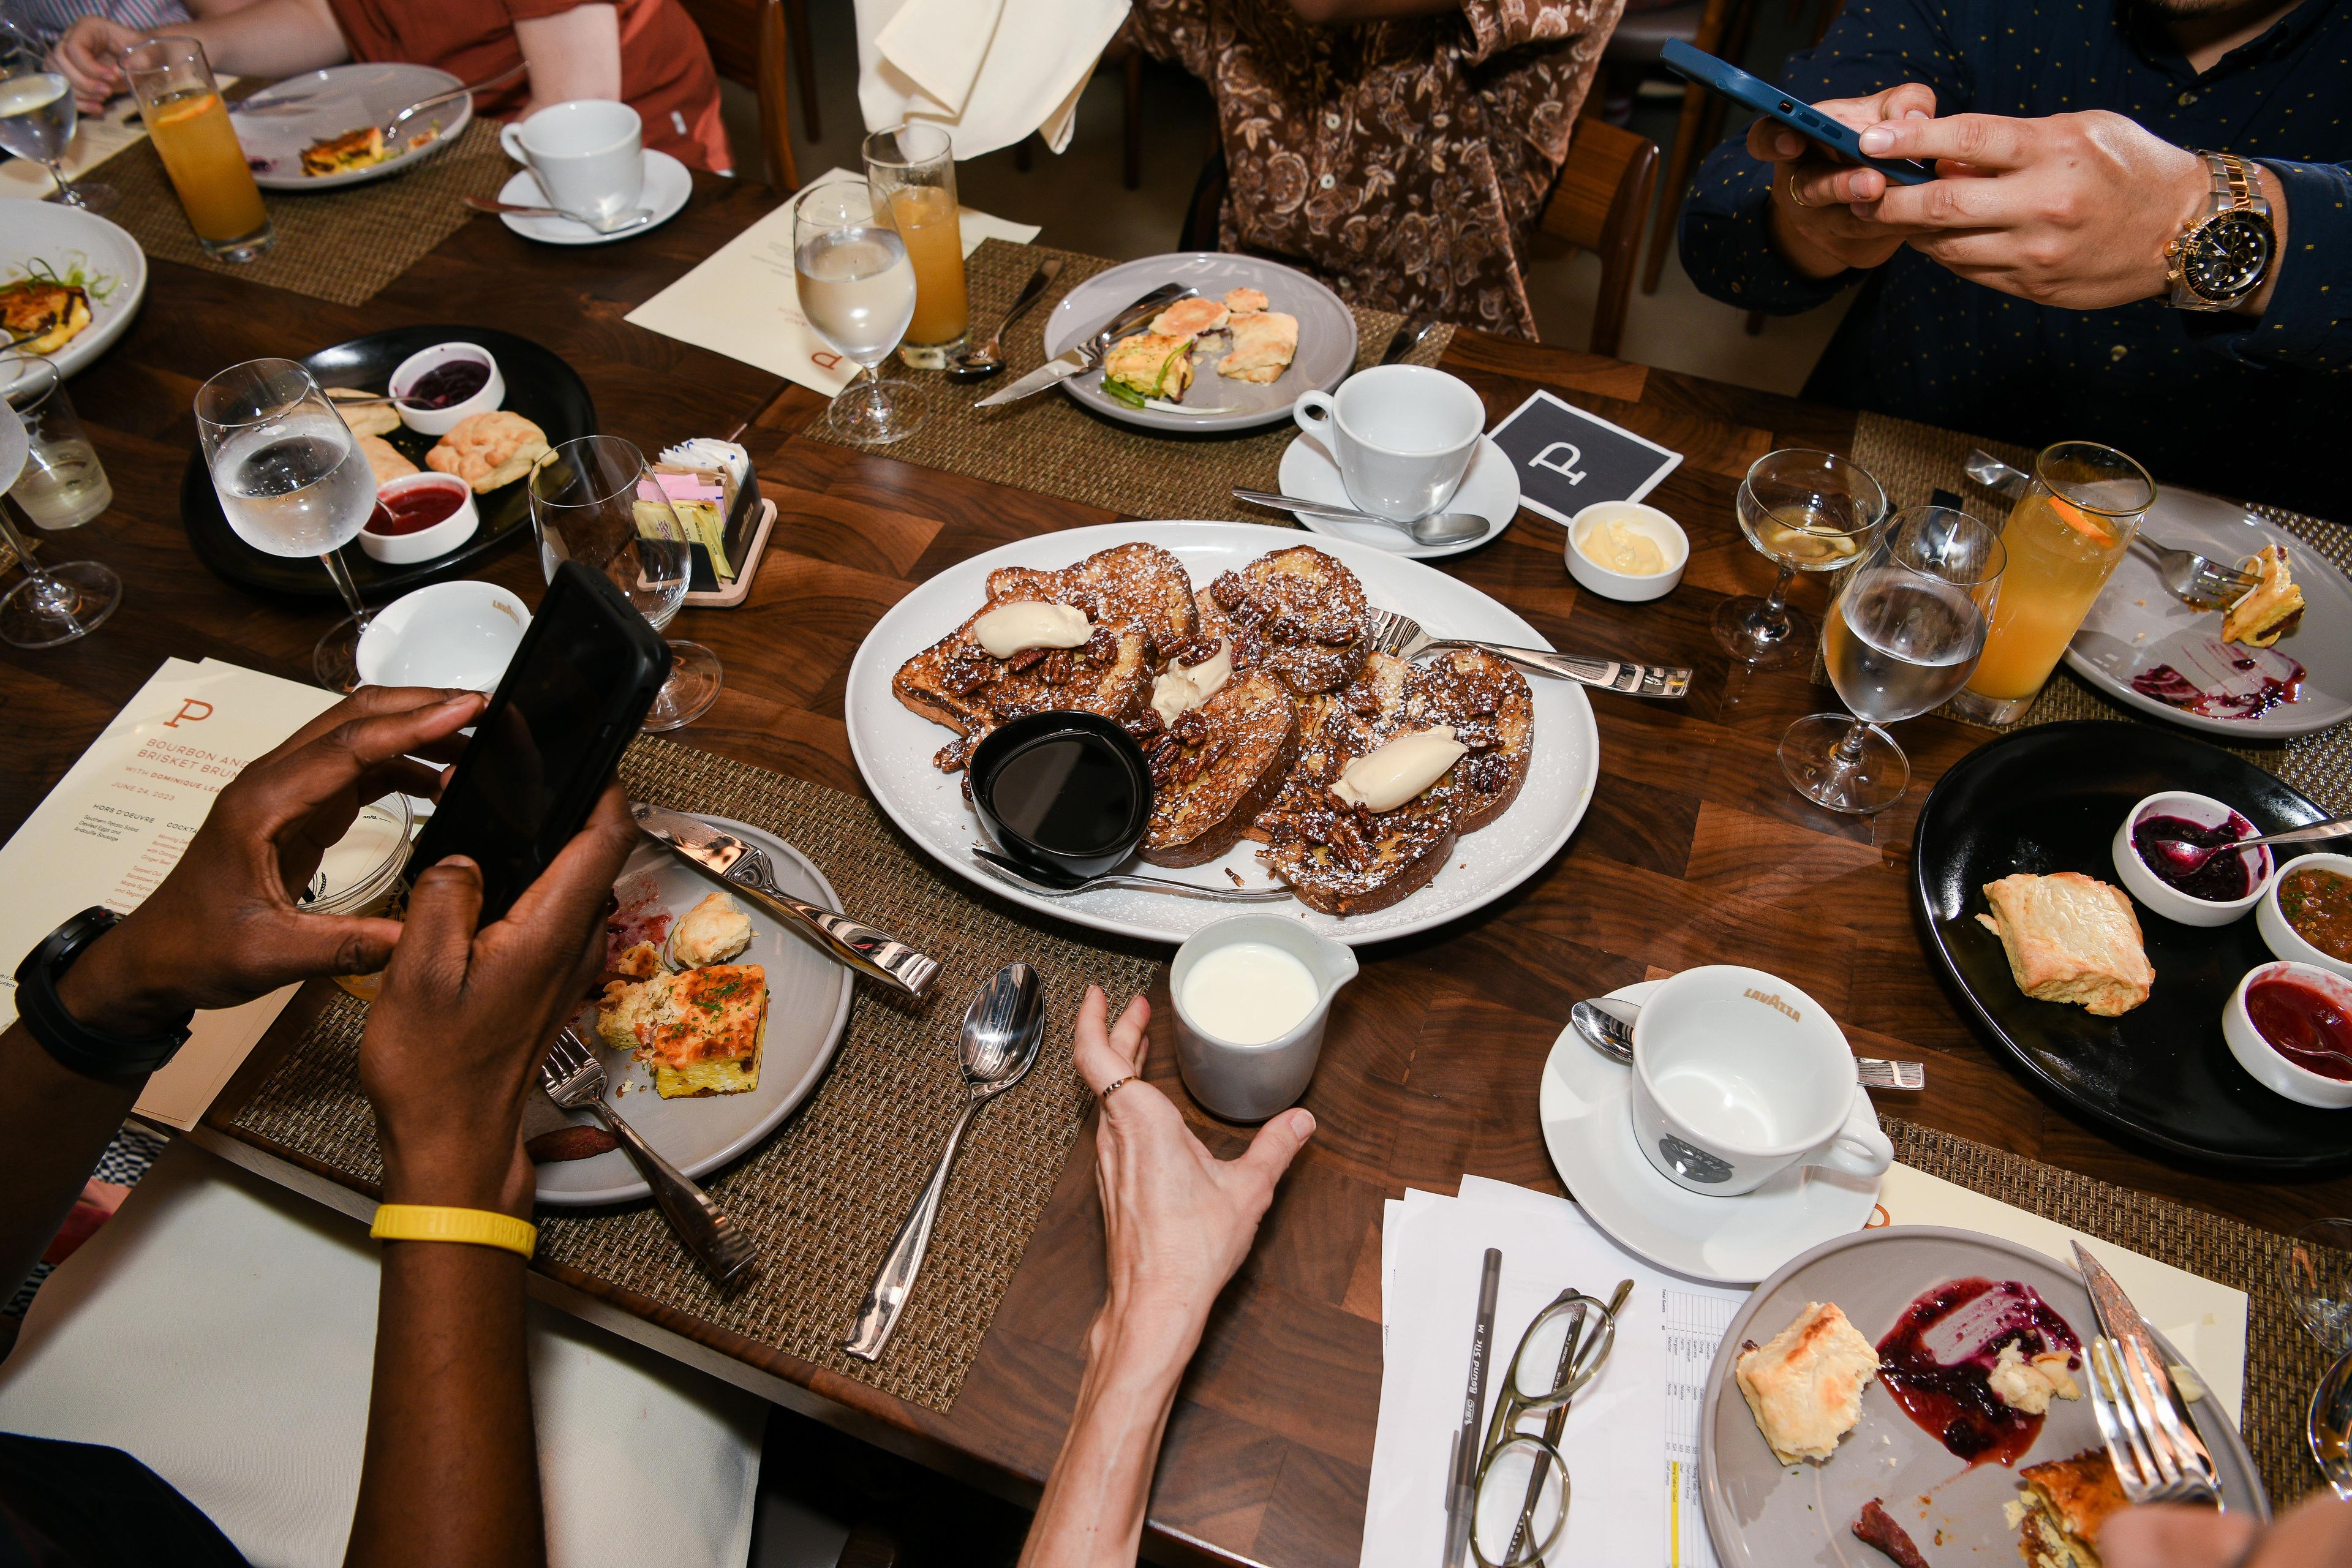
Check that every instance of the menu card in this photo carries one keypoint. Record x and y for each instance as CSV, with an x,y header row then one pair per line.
x,y
744,300
117,822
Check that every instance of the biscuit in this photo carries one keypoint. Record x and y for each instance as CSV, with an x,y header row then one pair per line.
x,y
377,419
488,450
384,458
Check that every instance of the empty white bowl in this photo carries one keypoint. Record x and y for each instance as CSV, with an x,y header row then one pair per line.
x,y
407,549
2283,939
441,421
453,635
2160,895
1628,586
2269,1068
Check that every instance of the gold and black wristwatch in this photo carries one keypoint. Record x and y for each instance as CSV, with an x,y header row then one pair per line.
x,y
2222,254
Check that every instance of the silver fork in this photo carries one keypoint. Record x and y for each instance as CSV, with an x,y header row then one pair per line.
x,y
2195,580
2155,1460
1401,635
575,1079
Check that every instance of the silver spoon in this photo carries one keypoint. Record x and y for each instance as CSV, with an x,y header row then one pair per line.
x,y
621,224
2189,858
1055,884
2198,581
1002,1030
1442,528
2329,1426
979,363
1606,1024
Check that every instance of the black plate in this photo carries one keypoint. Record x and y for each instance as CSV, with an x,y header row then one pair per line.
x,y
540,386
2049,799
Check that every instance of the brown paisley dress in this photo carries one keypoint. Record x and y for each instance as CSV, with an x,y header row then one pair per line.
x,y
1405,162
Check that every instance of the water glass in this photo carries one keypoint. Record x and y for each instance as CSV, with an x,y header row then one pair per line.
x,y
189,125
291,482
912,168
2065,537
52,604
1902,637
37,115
2319,1281
63,485
593,500
1808,512
858,290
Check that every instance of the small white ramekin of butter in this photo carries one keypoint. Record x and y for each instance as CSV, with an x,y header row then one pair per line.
x,y
1252,993
1623,550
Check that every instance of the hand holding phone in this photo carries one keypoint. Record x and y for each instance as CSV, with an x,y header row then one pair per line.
x,y
1753,92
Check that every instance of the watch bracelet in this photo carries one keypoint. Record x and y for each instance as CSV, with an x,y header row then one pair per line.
x,y
73,1045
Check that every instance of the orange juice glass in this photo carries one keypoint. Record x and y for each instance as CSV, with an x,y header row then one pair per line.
x,y
913,167
190,127
2064,537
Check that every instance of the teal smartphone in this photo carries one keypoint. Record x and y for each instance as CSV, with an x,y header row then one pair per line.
x,y
1754,92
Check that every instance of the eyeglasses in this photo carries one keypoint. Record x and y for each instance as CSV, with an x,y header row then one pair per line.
x,y
1521,1507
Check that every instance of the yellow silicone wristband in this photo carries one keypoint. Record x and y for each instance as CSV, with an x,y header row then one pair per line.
x,y
475,1228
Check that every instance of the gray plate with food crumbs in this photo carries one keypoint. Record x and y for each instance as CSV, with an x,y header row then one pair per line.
x,y
2136,632
275,125
1763,1514
1327,339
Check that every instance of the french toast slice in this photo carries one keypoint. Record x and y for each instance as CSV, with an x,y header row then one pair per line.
x,y
1347,860
1217,767
1493,712
957,683
1299,612
1127,584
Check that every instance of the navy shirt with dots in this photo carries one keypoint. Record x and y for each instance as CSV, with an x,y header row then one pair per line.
x,y
2255,409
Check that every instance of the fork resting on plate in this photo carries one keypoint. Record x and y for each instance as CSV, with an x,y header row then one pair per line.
x,y
1401,635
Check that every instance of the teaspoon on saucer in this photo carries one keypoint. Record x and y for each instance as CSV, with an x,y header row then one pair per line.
x,y
1444,528
1606,1023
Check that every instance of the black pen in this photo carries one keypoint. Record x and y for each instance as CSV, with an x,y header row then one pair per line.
x,y
1462,1479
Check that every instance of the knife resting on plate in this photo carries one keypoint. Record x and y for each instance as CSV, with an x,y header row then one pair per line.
x,y
1088,350
745,867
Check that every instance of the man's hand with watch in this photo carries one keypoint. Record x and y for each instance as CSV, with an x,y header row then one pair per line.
x,y
2085,211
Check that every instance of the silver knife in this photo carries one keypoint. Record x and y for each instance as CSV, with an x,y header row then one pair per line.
x,y
744,867
2121,1321
1088,350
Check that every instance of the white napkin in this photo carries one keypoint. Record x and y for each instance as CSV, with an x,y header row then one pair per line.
x,y
221,1329
988,71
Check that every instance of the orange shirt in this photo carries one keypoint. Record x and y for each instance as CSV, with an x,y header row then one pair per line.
x,y
666,73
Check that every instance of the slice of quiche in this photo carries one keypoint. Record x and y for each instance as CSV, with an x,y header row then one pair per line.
x,y
2264,610
41,315
700,1030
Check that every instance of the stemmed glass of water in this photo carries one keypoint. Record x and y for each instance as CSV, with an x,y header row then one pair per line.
x,y
1902,637
38,117
591,500
291,481
858,290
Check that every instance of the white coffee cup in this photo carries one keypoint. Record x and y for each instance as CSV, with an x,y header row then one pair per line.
x,y
1402,435
457,635
1739,1075
586,155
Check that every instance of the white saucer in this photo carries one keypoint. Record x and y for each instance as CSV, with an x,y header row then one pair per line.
x,y
668,184
1490,488
1735,1241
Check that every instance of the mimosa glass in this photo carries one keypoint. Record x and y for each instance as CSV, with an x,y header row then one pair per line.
x,y
913,167
190,127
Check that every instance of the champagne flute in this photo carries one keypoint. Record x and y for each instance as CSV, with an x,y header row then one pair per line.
x,y
291,481
593,502
858,290
1809,511
1902,637
37,114
61,487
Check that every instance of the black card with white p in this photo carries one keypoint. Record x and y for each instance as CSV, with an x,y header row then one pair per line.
x,y
1566,459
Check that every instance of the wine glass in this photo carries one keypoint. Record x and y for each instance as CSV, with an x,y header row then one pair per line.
x,y
37,118
1809,511
291,481
593,502
2319,1281
858,290
62,485
1903,637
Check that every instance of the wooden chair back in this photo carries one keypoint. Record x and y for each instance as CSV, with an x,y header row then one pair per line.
x,y
1600,205
749,44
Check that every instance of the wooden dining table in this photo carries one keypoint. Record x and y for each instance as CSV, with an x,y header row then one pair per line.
x,y
1694,850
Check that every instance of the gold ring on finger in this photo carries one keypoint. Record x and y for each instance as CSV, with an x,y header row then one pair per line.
x,y
1794,196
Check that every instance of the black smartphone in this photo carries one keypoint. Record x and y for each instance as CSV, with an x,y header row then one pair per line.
x,y
574,696
1754,92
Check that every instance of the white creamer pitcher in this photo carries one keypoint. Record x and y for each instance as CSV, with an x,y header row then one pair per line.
x,y
1249,1082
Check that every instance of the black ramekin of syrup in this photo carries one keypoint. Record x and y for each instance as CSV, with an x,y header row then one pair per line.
x,y
1064,790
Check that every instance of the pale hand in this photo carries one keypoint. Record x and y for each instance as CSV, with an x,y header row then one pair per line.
x,y
86,55
1822,218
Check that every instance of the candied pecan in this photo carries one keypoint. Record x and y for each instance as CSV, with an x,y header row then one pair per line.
x,y
1488,774
1192,727
967,671
953,756
1103,646
1019,704
1193,654
1483,698
1056,669
1478,737
1027,658
1197,762
1348,843
1143,723
1362,699
1337,637
1228,590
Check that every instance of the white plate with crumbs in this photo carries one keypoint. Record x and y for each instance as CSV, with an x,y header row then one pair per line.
x,y
808,1006
1764,1514
51,242
277,124
893,746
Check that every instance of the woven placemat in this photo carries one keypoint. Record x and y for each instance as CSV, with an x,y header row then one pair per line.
x,y
341,245
1048,443
1913,461
824,1195
2284,1362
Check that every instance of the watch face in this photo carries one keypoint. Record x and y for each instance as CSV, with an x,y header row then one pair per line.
x,y
2227,256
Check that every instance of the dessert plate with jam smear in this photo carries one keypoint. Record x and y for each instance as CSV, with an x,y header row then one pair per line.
x,y
1936,1447
2146,650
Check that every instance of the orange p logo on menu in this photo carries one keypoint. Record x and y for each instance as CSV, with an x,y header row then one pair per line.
x,y
195,709
1774,1002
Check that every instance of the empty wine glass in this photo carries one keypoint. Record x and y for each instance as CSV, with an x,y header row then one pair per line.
x,y
1809,511
37,118
2319,1281
593,502
858,290
1902,637
291,481
62,485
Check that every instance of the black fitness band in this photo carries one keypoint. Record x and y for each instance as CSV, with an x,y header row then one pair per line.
x,y
77,1047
